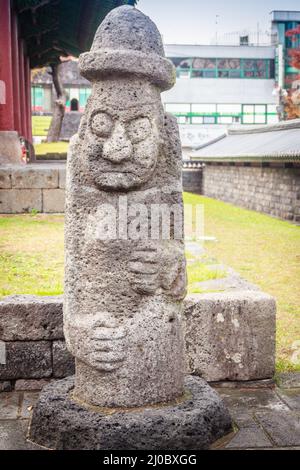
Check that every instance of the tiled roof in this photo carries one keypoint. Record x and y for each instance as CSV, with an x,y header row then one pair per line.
x,y
276,142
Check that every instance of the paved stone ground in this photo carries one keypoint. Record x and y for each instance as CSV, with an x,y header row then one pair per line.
x,y
265,416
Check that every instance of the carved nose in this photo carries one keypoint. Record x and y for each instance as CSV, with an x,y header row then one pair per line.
x,y
118,148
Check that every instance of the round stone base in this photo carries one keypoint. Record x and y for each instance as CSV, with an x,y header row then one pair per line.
x,y
193,422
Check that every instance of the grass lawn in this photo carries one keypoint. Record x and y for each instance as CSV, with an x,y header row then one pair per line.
x,y
262,249
51,147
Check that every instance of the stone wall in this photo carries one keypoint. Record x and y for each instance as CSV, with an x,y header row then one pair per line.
x,y
228,336
32,342
273,190
36,187
41,186
192,177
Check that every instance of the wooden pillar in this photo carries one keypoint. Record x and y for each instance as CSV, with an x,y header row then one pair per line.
x,y
16,73
6,103
28,98
24,127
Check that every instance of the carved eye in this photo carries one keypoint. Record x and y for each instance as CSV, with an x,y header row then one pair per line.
x,y
139,129
101,124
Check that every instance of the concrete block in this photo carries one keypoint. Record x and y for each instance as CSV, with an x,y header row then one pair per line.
x,y
53,200
230,335
31,318
34,178
28,359
62,178
17,201
63,361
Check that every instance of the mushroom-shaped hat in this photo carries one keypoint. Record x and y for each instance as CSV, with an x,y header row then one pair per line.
x,y
127,42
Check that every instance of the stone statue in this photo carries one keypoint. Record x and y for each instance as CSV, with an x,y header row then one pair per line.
x,y
124,293
125,275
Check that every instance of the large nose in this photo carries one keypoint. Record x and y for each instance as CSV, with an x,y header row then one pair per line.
x,y
118,147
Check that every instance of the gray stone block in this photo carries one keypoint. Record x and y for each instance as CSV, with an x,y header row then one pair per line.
x,y
62,178
63,361
193,422
27,360
31,318
5,178
5,386
53,200
17,201
31,384
34,178
283,427
231,335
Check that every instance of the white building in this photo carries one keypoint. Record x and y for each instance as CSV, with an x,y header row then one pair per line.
x,y
219,86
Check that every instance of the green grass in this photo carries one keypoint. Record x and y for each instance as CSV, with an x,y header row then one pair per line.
x,y
40,125
262,249
51,147
265,251
31,259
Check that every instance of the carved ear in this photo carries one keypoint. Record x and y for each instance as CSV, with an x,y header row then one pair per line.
x,y
82,126
172,145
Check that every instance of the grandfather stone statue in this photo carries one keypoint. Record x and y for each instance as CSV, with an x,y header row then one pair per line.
x,y
124,292
125,275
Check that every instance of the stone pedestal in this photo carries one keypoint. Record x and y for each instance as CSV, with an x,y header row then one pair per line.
x,y
193,421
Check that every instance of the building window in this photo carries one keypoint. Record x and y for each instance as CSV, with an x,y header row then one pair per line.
x,y
198,67
211,113
254,114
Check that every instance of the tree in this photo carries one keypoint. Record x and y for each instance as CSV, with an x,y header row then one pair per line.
x,y
292,100
59,104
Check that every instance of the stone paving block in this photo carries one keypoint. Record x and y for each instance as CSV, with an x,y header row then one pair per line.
x,y
53,200
30,359
63,361
283,427
291,397
17,201
226,335
5,178
9,405
28,401
241,400
13,436
34,178
29,317
251,436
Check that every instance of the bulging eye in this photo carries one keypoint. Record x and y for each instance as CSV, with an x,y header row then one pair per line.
x,y
139,129
101,124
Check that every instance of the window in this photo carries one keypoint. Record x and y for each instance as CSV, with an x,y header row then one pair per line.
x,y
254,114
204,108
37,98
84,93
224,120
177,108
209,120
229,108
197,120
183,73
202,67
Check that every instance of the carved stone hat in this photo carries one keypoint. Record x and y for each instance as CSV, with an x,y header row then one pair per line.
x,y
127,42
